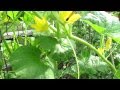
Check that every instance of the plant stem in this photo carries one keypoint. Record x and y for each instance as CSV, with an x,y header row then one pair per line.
x,y
6,45
112,59
25,41
78,69
93,48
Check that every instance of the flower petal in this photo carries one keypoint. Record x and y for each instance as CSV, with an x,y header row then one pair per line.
x,y
73,18
37,20
64,15
40,24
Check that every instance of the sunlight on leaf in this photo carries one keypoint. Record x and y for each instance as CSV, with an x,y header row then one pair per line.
x,y
97,28
115,37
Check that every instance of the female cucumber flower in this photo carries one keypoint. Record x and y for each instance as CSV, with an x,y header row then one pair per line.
x,y
108,43
40,24
101,50
68,16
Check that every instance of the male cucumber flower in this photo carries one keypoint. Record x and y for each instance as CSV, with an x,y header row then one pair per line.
x,y
40,24
68,16
108,43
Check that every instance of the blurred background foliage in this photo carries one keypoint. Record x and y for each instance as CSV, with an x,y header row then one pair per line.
x,y
91,26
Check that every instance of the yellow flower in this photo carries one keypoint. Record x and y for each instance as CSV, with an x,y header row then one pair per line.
x,y
108,43
40,24
68,16
101,50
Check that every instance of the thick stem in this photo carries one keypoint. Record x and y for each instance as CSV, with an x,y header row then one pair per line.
x,y
93,48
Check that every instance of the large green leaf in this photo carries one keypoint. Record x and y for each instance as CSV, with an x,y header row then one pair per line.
x,y
104,19
46,42
104,23
26,64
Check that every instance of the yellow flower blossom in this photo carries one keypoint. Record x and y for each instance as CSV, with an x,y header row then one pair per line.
x,y
40,24
101,50
68,16
108,43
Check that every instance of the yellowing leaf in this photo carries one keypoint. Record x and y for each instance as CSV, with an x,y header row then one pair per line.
x,y
40,24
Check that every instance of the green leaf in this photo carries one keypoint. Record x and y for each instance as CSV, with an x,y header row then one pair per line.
x,y
117,74
46,42
46,14
64,46
105,20
97,28
115,37
86,53
55,14
51,63
12,14
26,63
28,18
